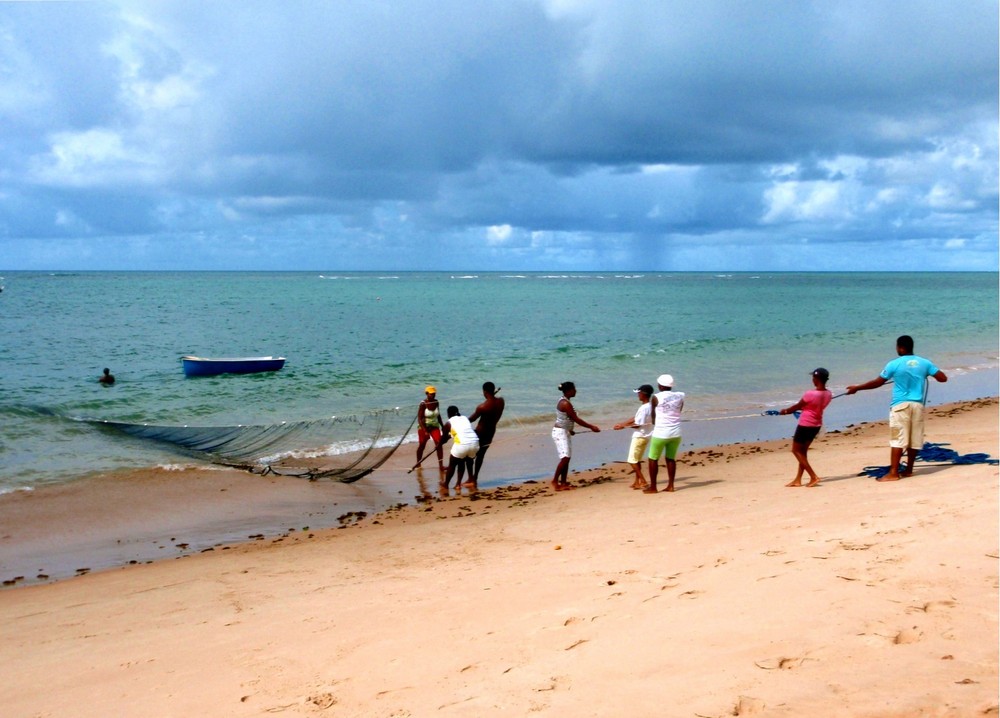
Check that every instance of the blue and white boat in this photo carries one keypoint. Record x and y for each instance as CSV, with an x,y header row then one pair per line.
x,y
201,366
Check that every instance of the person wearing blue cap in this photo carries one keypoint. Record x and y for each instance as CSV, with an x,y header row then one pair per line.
x,y
811,405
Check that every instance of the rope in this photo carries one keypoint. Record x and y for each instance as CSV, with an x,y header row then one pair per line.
x,y
934,455
775,412
353,471
739,416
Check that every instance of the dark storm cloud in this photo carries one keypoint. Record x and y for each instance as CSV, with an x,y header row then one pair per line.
x,y
493,127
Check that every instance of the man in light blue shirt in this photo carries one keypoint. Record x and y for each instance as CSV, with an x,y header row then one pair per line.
x,y
908,373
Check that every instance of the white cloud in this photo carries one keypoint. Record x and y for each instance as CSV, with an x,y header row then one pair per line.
x,y
805,201
947,196
88,159
498,235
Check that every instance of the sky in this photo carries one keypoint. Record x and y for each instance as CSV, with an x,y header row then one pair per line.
x,y
572,135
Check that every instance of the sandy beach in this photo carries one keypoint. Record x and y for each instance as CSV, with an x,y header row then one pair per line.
x,y
732,596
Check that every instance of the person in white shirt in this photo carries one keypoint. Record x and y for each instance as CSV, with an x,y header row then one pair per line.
x,y
464,448
642,422
562,433
667,405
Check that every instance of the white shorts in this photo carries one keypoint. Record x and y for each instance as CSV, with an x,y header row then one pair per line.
x,y
637,449
906,425
464,451
563,441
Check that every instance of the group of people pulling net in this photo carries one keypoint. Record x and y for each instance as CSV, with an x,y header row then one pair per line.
x,y
347,448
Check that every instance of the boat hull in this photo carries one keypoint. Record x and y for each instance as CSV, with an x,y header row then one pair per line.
x,y
198,366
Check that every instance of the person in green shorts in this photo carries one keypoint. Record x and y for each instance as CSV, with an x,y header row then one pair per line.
x,y
667,405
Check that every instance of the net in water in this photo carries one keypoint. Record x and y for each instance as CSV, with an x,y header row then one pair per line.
x,y
341,448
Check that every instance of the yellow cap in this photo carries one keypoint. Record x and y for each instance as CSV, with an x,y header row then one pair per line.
x,y
430,390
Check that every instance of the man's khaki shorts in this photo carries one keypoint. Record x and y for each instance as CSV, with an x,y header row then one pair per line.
x,y
906,425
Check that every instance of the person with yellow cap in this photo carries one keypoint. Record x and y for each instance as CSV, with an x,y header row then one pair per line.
x,y
429,426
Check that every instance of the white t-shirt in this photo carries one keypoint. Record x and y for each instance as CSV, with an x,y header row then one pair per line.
x,y
668,414
643,421
462,432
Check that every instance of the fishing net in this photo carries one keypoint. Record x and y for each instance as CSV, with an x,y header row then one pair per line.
x,y
341,448
934,455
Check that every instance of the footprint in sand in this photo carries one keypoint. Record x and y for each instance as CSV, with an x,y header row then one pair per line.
x,y
907,635
932,607
855,546
901,637
555,683
780,663
748,706
884,636
321,701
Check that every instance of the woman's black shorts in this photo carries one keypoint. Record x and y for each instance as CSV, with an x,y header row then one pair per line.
x,y
805,434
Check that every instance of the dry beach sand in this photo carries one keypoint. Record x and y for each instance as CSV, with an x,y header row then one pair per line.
x,y
732,596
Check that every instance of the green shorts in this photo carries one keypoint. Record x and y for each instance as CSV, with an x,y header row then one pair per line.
x,y
660,447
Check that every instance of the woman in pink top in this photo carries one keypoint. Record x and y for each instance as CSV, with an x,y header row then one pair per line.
x,y
811,405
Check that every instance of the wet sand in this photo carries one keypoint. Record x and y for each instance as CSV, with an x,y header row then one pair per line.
x,y
732,596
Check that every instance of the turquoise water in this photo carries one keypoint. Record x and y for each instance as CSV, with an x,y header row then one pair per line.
x,y
361,341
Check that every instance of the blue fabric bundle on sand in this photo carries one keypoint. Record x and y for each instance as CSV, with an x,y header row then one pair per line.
x,y
937,454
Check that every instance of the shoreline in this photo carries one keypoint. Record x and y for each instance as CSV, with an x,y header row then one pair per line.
x,y
147,515
733,596
62,452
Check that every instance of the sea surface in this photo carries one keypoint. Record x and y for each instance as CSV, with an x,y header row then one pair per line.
x,y
737,344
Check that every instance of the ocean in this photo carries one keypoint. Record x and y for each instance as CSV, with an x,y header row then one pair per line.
x,y
737,344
